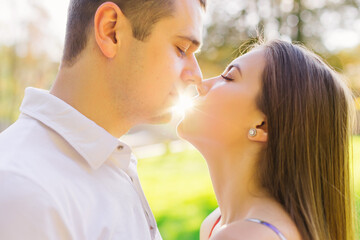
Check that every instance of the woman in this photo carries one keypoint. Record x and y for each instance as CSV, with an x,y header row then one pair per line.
x,y
274,130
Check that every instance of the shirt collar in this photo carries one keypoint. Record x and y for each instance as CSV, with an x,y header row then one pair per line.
x,y
91,141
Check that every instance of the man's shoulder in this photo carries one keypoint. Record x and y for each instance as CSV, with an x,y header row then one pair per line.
x,y
15,140
31,149
27,210
14,185
25,131
28,140
18,191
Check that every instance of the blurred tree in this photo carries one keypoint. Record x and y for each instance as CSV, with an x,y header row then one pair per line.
x,y
306,21
24,63
350,61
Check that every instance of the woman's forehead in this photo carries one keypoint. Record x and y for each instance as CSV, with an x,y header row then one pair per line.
x,y
251,61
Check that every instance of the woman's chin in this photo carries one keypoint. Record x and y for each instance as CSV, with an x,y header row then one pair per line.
x,y
186,128
189,129
180,129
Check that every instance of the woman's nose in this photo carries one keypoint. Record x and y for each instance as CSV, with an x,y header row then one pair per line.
x,y
204,87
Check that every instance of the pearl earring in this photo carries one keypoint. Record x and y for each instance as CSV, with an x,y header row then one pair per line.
x,y
252,132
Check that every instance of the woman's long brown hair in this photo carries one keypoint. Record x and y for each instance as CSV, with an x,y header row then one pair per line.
x,y
307,159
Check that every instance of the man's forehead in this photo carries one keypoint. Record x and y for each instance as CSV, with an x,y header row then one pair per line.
x,y
189,16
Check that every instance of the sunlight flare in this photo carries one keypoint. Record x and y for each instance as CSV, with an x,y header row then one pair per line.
x,y
184,104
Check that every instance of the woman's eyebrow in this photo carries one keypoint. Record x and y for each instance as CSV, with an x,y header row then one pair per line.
x,y
234,66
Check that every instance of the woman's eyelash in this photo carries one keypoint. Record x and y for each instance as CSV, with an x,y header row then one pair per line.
x,y
226,78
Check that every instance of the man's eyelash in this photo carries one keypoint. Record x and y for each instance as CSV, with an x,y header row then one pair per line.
x,y
183,53
226,78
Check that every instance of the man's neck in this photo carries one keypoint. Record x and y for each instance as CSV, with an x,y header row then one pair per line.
x,y
84,87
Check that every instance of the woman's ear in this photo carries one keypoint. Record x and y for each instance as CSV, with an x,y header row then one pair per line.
x,y
106,21
259,133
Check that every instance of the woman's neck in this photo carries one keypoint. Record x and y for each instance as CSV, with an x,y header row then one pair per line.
x,y
233,173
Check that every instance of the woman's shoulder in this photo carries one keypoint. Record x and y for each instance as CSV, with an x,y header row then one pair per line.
x,y
251,230
269,221
208,224
242,230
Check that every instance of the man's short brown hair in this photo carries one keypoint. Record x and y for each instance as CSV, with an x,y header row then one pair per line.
x,y
142,14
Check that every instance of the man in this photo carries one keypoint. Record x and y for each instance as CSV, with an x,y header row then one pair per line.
x,y
63,172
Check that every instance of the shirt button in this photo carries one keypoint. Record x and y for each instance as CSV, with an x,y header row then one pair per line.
x,y
120,147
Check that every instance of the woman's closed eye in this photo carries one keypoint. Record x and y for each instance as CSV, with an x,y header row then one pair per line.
x,y
227,78
231,73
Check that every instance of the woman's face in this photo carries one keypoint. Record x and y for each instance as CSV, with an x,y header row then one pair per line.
x,y
227,109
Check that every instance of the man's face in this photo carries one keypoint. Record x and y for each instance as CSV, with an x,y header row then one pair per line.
x,y
152,73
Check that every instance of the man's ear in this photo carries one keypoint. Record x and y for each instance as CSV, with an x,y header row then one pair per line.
x,y
259,133
106,22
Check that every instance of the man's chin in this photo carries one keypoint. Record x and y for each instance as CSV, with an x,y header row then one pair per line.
x,y
160,119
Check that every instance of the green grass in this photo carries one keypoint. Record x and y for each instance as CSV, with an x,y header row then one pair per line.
x,y
179,191
356,155
180,194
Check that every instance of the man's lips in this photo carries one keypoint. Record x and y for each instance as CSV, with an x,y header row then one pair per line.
x,y
175,94
173,99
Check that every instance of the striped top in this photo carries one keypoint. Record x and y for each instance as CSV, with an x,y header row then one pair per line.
x,y
272,227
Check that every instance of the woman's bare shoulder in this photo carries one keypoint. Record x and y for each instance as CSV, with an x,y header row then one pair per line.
x,y
274,213
208,224
268,211
246,230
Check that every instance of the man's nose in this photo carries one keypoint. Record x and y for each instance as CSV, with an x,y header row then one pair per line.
x,y
192,74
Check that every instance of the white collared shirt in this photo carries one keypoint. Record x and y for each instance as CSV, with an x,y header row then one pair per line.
x,y
64,177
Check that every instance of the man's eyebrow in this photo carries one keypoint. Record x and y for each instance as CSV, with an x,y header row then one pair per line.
x,y
193,40
237,66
